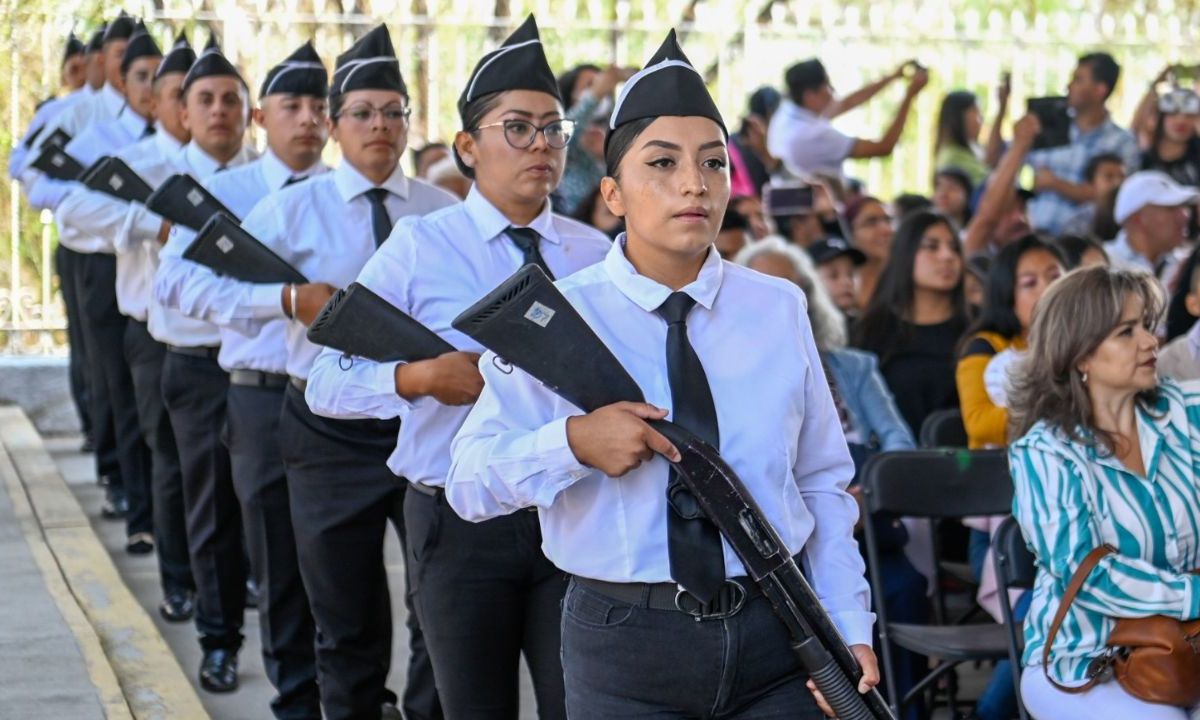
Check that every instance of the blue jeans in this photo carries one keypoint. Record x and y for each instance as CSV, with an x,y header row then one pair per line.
x,y
626,662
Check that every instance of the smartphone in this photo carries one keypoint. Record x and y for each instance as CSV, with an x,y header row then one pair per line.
x,y
1055,118
788,200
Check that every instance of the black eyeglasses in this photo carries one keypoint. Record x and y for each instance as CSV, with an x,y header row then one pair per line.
x,y
521,134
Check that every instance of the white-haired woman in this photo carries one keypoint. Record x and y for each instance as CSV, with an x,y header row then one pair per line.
x,y
872,423
1107,455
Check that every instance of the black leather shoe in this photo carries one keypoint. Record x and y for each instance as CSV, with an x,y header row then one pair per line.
x,y
140,544
115,505
390,712
177,606
218,671
251,594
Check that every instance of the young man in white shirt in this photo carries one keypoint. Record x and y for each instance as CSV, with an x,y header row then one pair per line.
x,y
292,110
215,100
340,488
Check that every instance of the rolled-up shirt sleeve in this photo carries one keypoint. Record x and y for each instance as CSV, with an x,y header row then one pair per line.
x,y
822,471
512,450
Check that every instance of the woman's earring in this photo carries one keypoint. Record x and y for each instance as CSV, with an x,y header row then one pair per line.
x,y
1083,377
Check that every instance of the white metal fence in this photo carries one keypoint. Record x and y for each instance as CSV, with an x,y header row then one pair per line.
x,y
740,44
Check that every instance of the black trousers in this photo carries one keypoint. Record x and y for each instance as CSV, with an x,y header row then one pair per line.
x,y
194,390
342,497
145,356
65,260
631,662
111,385
288,633
485,593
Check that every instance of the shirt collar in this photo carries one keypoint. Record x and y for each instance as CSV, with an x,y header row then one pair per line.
x,y
276,173
351,183
166,140
112,99
491,223
649,294
132,122
1124,252
205,165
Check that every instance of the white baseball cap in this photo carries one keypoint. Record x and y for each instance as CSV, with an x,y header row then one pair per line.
x,y
1150,187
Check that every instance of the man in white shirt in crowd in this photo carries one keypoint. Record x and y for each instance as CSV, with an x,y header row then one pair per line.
x,y
801,134
215,101
74,75
292,110
103,216
1152,210
104,324
328,227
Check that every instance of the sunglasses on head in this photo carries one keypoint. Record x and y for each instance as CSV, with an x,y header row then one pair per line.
x,y
1179,101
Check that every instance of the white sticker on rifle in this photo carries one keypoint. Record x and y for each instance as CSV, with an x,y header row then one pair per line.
x,y
195,198
58,160
224,244
539,314
115,182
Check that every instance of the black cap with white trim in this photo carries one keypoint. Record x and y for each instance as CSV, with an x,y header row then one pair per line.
x,y
518,64
178,59
302,73
369,64
211,63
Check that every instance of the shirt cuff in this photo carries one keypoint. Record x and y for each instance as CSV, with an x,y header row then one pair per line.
x,y
855,626
265,300
554,452
147,224
383,382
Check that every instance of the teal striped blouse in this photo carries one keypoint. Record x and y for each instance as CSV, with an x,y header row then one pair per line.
x,y
1071,498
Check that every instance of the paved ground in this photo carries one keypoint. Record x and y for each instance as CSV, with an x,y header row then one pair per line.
x,y
251,700
34,637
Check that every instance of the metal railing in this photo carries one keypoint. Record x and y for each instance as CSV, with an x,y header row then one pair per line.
x,y
739,44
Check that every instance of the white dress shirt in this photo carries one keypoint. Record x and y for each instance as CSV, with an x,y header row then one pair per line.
x,y
807,143
322,227
433,268
103,216
141,226
46,114
200,293
73,212
779,430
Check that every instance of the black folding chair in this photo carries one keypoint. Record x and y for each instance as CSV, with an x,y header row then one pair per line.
x,y
1015,569
935,484
944,429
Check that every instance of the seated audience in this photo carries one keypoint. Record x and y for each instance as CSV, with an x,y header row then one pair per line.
x,y
957,142
906,203
837,266
1097,429
594,211
445,174
1000,215
917,315
427,156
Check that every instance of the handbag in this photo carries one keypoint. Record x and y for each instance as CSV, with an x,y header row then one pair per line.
x,y
1155,659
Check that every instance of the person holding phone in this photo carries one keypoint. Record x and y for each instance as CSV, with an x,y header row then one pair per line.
x,y
1059,171
801,134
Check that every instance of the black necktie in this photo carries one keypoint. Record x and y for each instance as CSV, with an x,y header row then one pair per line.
x,y
150,130
526,239
381,224
220,169
693,542
295,179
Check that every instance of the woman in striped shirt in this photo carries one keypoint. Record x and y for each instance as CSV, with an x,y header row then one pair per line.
x,y
1107,454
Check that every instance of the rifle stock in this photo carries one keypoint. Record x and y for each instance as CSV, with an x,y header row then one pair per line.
x,y
530,324
357,321
54,161
225,247
111,176
185,202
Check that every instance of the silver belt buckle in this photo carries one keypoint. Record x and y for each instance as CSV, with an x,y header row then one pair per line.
x,y
687,603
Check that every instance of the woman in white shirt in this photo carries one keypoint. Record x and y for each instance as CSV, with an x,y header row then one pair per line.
x,y
752,384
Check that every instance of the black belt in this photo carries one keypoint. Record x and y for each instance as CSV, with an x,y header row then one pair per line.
x,y
669,596
204,351
257,378
299,384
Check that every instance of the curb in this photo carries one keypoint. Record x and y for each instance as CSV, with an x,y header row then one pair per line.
x,y
135,674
